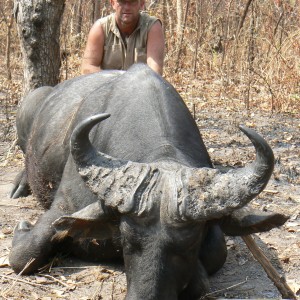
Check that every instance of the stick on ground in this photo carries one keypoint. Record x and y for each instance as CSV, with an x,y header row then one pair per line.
x,y
278,280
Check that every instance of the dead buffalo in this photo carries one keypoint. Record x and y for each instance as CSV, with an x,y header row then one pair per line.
x,y
141,183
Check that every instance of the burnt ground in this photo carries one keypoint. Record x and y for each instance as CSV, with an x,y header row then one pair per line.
x,y
241,277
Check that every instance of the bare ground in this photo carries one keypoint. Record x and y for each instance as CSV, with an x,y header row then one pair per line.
x,y
241,277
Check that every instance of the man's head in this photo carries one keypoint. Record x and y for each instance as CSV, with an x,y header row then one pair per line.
x,y
127,12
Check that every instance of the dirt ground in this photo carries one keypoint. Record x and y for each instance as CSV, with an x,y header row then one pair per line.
x,y
241,277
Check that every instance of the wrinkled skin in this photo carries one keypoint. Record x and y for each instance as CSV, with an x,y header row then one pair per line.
x,y
132,208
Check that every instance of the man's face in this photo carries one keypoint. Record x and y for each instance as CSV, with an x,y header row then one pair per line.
x,y
127,11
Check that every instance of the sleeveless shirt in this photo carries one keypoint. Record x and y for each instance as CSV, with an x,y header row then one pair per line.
x,y
120,54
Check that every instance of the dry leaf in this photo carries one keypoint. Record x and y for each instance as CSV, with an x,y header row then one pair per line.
x,y
59,293
41,280
250,124
4,261
7,230
295,287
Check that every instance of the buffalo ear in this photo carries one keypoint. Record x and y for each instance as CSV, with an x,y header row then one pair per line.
x,y
247,220
89,222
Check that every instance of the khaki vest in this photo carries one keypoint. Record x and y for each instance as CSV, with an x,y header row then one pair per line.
x,y
120,55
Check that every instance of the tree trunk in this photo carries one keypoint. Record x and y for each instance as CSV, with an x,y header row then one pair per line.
x,y
242,20
170,18
198,22
97,10
38,23
78,26
181,35
78,17
9,24
179,16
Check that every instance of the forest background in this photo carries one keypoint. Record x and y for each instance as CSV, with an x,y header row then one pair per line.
x,y
238,54
233,62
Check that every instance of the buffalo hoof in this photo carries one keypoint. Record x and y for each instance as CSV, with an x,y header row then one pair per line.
x,y
20,186
17,256
20,232
23,226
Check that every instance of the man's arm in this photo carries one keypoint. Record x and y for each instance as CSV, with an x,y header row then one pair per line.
x,y
93,53
155,48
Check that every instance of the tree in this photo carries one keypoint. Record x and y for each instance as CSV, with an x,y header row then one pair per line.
x,y
78,26
38,23
9,23
96,10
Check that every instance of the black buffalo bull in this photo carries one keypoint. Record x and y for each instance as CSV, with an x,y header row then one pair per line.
x,y
141,183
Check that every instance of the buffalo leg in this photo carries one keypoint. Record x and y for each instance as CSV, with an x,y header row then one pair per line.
x,y
20,186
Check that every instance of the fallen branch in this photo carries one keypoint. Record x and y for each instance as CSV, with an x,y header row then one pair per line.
x,y
270,191
75,267
18,279
96,295
113,289
278,280
9,205
57,280
225,289
9,152
15,279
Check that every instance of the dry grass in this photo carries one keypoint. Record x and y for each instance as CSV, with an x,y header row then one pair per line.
x,y
221,59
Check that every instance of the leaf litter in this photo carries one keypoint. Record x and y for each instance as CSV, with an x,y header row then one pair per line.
x,y
241,277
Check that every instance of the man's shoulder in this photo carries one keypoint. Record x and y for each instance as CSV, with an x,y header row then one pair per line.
x,y
146,20
107,19
108,24
146,17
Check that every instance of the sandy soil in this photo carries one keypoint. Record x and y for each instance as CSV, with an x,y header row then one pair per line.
x,y
241,277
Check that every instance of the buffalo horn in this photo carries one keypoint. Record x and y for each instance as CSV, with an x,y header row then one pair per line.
x,y
222,193
117,183
81,148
